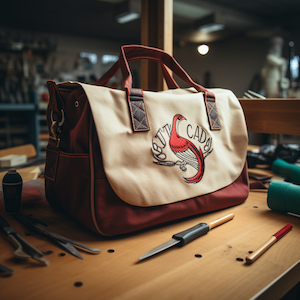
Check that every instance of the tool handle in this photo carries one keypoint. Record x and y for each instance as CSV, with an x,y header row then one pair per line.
x,y
279,234
256,254
190,234
28,220
200,229
221,221
5,226
274,238
3,222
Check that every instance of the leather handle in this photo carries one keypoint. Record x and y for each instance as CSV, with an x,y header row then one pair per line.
x,y
155,54
137,52
171,83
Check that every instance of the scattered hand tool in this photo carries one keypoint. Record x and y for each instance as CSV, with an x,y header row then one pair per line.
x,y
24,249
63,241
184,237
6,270
274,238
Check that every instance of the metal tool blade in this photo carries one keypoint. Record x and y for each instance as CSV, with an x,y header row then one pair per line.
x,y
6,269
32,251
84,247
55,235
68,247
57,238
24,249
160,248
42,227
19,252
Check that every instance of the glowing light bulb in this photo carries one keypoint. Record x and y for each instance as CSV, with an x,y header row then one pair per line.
x,y
203,49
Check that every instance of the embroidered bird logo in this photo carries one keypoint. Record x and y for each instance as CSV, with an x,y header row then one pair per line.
x,y
186,152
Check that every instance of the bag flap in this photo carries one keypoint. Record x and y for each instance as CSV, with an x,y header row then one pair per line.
x,y
179,157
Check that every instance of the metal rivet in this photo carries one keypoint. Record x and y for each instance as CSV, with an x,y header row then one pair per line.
x,y
76,103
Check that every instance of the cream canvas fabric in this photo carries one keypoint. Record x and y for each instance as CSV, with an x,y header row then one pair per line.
x,y
142,168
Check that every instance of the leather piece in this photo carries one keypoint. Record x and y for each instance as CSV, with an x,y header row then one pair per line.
x,y
56,103
137,110
51,163
212,112
109,207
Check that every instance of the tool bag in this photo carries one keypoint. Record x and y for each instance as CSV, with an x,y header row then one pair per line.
x,y
120,161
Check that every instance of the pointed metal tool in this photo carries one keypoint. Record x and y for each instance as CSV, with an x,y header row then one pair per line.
x,y
6,270
182,238
24,249
63,241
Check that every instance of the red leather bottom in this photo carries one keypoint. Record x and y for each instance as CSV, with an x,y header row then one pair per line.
x,y
71,193
114,216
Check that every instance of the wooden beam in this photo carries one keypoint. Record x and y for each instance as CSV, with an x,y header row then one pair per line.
x,y
273,116
156,31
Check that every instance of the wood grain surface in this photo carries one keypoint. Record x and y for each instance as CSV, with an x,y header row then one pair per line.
x,y
210,267
278,116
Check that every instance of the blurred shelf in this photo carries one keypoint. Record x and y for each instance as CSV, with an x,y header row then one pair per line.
x,y
18,107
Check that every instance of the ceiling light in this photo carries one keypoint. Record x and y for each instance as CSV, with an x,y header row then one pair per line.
x,y
203,49
127,17
128,11
208,28
210,23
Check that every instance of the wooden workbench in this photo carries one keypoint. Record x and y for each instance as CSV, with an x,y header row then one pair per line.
x,y
211,267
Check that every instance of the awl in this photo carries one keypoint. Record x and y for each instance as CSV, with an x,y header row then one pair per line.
x,y
182,238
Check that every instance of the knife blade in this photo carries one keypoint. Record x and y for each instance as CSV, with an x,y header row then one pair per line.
x,y
182,238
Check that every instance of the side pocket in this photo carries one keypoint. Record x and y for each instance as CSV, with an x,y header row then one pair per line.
x,y
71,190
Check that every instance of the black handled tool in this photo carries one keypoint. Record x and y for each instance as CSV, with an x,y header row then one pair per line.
x,y
184,237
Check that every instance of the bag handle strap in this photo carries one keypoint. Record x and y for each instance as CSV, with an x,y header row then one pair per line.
x,y
155,54
137,52
103,81
165,59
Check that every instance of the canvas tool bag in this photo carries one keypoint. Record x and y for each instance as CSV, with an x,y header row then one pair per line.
x,y
124,160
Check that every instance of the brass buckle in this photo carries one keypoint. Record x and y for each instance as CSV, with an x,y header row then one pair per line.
x,y
55,128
